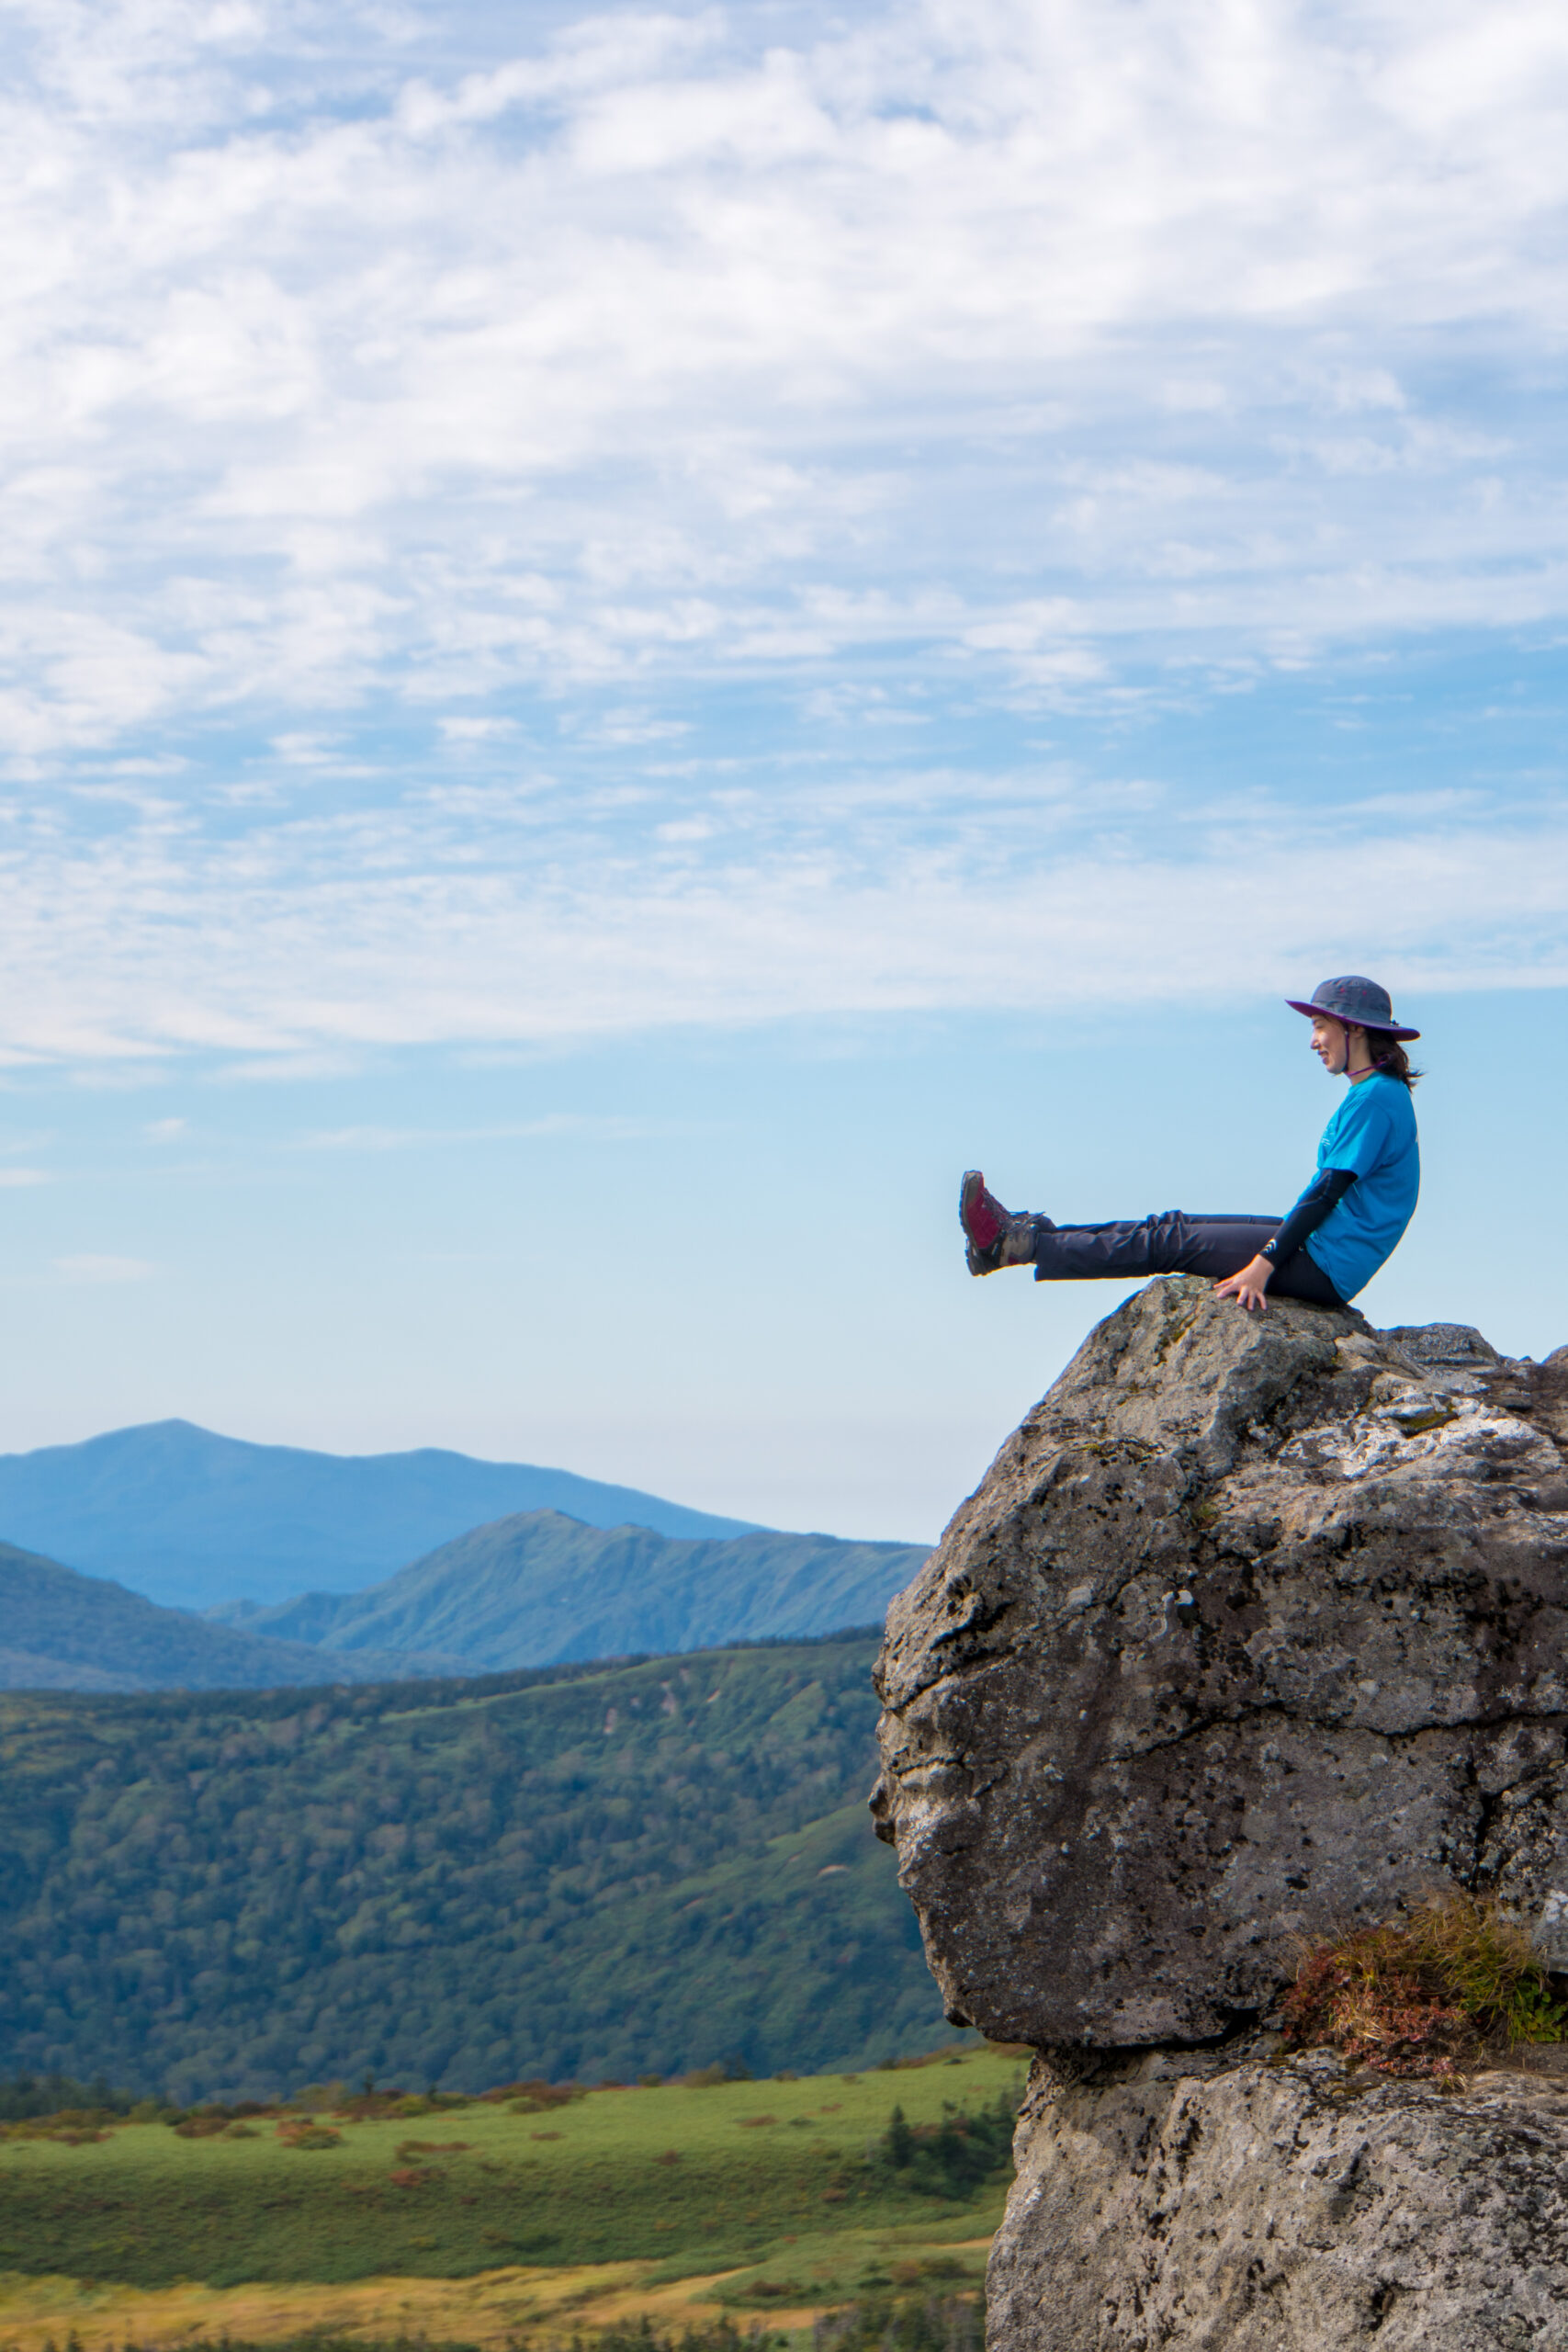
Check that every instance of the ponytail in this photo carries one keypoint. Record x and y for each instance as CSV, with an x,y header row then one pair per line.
x,y
1389,1059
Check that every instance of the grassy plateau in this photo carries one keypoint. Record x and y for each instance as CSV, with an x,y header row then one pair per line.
x,y
490,2221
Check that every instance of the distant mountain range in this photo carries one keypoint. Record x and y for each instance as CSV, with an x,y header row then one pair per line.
x,y
540,1589
188,1519
535,1590
235,1531
60,1630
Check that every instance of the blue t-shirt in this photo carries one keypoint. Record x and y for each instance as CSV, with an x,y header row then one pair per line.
x,y
1372,1134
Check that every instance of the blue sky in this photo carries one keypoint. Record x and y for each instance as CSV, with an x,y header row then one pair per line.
x,y
624,638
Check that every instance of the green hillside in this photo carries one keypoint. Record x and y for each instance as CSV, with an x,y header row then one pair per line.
x,y
576,1873
60,1630
539,1586
535,1590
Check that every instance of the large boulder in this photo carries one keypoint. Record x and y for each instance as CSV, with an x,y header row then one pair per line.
x,y
1257,1628
1228,2204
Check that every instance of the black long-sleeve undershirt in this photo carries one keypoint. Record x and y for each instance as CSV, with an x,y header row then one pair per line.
x,y
1325,1191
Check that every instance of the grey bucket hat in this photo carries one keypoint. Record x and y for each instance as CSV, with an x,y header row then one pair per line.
x,y
1360,1004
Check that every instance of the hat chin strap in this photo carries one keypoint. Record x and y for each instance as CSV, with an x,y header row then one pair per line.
x,y
1366,1041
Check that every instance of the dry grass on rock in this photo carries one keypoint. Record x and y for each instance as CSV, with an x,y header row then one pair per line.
x,y
1426,1995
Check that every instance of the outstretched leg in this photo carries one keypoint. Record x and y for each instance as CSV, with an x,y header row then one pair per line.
x,y
1174,1243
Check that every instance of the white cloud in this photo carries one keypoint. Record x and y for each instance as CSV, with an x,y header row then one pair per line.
x,y
355,398
95,1270
293,410
476,731
297,947
551,1125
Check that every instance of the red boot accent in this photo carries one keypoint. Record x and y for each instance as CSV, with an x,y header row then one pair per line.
x,y
980,1213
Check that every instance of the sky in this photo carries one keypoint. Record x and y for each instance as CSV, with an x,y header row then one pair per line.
x,y
629,638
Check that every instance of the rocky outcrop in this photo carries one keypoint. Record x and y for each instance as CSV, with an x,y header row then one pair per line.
x,y
1256,1630
1228,2205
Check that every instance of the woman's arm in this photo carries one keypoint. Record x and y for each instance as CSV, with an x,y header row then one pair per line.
x,y
1325,1191
1249,1285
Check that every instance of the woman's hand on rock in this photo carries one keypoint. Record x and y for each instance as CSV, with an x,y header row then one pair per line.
x,y
1249,1285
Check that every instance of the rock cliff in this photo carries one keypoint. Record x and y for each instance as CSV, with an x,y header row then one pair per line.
x,y
1255,1631
1221,2204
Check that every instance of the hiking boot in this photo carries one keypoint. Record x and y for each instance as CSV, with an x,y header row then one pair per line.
x,y
993,1237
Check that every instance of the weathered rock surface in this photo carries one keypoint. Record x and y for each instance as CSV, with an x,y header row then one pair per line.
x,y
1256,1628
1233,2206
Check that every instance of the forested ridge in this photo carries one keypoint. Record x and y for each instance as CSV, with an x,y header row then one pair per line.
x,y
61,1631
535,1590
540,1589
575,1872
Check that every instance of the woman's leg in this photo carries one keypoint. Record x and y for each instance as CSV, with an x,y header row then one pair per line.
x,y
1176,1243
1172,1244
1301,1276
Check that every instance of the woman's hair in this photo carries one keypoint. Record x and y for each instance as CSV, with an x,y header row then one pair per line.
x,y
1389,1059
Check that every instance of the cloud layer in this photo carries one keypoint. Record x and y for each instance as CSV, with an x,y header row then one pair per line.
x,y
429,469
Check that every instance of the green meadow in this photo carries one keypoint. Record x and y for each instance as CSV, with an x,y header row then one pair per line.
x,y
783,2188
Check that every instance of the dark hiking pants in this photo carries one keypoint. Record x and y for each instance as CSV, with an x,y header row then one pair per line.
x,y
1175,1244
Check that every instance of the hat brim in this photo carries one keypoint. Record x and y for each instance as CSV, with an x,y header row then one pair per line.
x,y
1383,1028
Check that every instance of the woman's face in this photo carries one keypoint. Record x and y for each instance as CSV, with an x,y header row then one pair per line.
x,y
1329,1040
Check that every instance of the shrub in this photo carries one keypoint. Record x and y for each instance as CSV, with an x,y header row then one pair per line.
x,y
533,2098
312,2340
1421,1995
304,2132
27,2097
946,2055
639,2334
70,2135
951,2158
375,2107
911,2323
75,2127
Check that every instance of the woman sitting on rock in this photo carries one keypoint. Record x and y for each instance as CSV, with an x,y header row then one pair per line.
x,y
1345,1224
